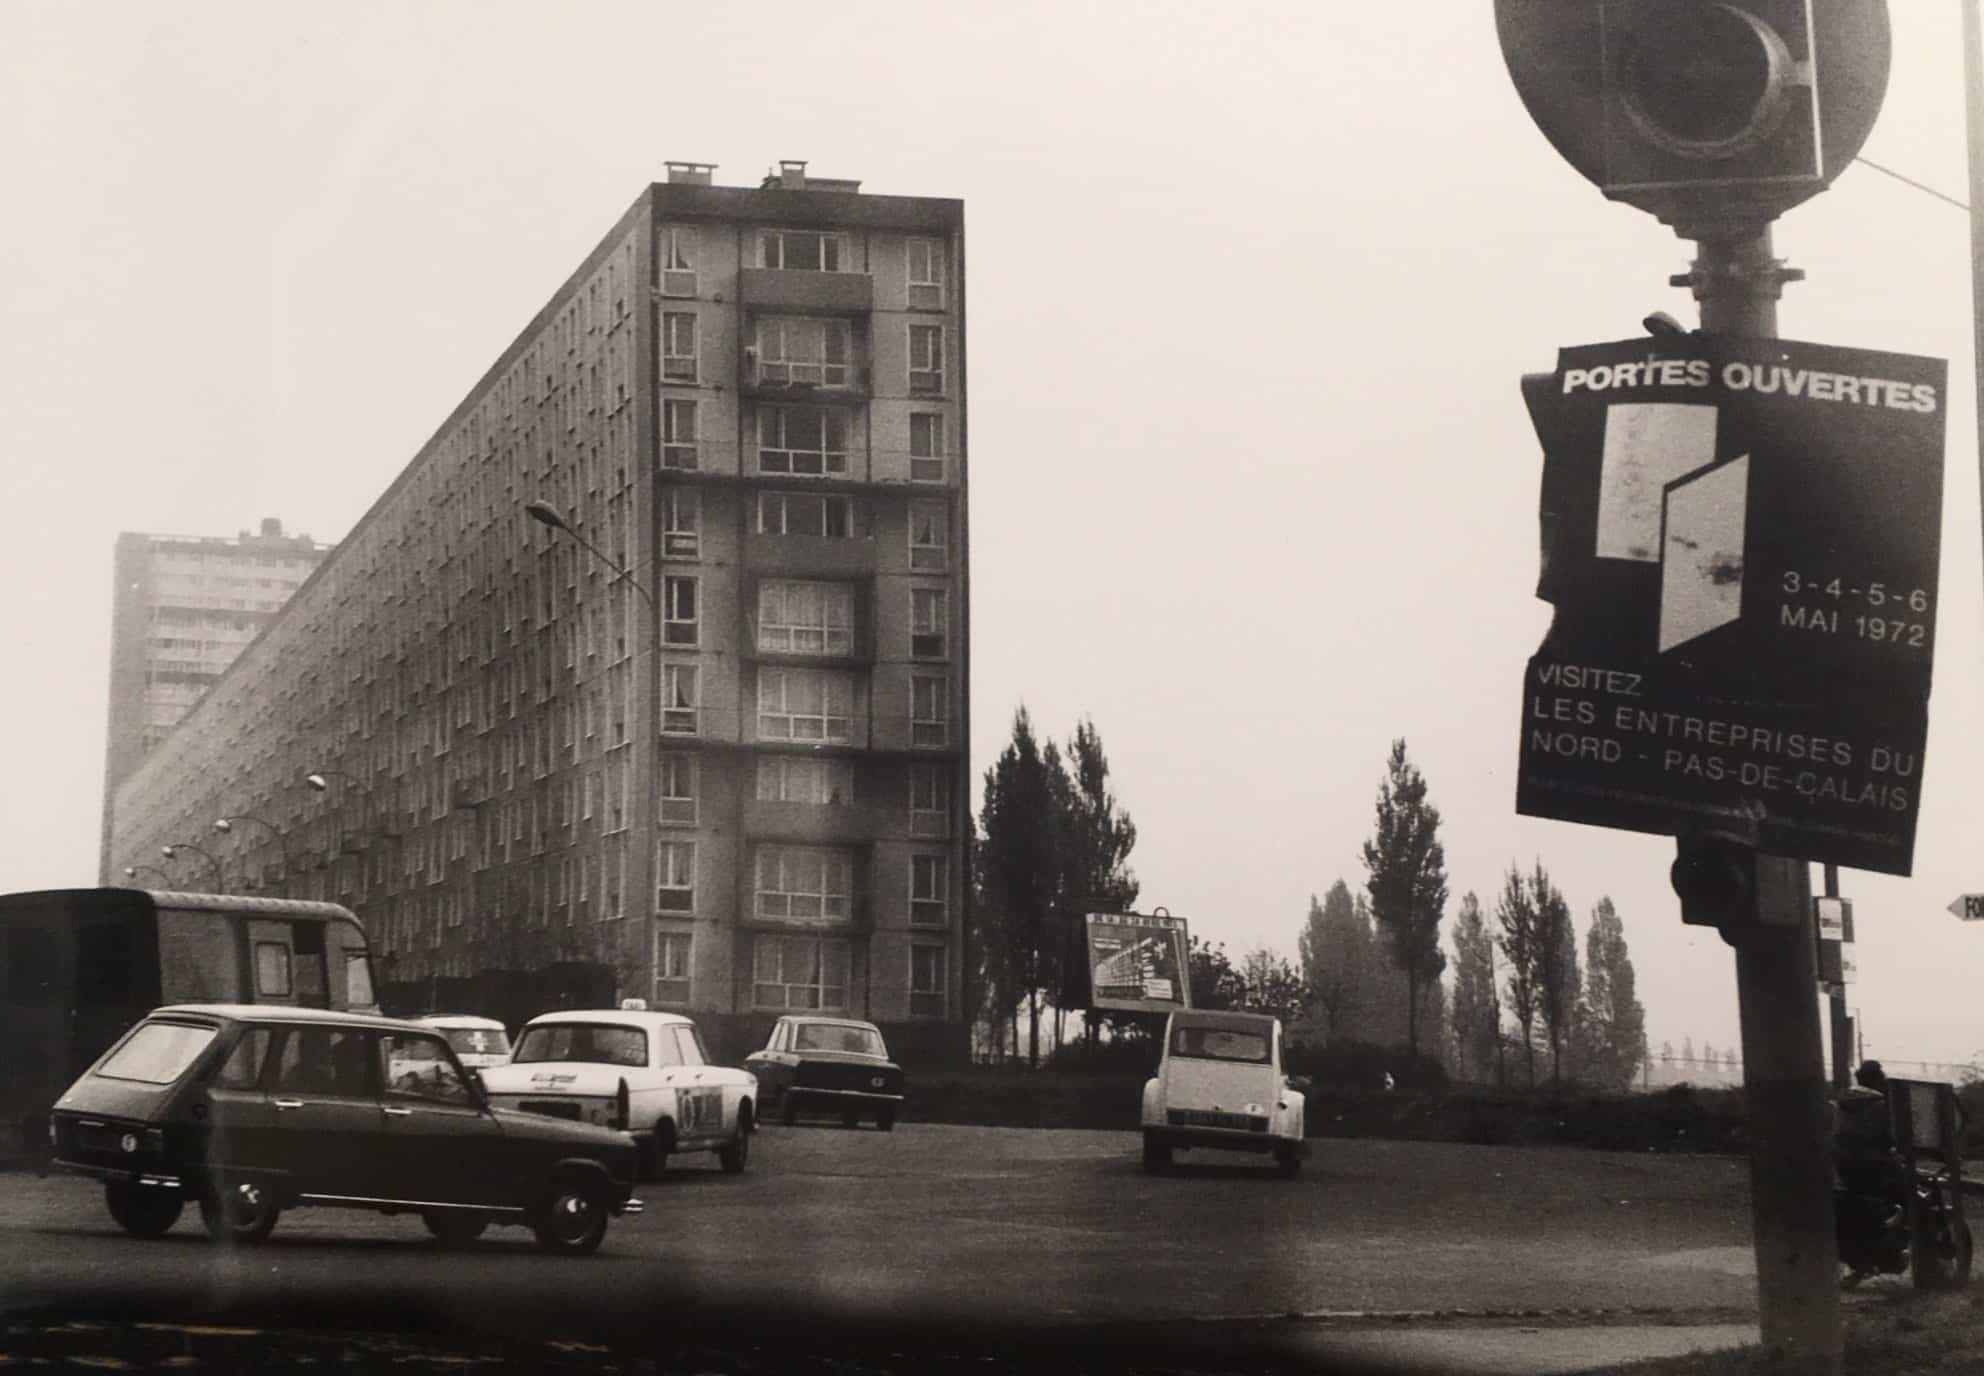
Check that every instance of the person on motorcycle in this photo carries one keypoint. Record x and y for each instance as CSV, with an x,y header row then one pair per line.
x,y
1871,1173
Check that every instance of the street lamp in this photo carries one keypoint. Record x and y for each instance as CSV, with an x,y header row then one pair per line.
x,y
546,514
225,825
131,872
171,852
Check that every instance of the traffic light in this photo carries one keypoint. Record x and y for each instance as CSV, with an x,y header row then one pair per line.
x,y
1715,115
1715,875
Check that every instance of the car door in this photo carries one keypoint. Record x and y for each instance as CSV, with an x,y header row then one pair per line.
x,y
234,1115
328,1124
769,1065
442,1146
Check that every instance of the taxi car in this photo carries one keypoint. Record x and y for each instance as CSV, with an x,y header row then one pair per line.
x,y
833,1065
478,1042
1220,1084
249,1110
630,1066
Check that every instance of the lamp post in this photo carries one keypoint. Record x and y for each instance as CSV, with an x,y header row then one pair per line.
x,y
545,514
171,852
225,825
131,872
320,780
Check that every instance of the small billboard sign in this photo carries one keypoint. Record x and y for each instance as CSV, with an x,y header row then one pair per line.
x,y
1968,906
1138,963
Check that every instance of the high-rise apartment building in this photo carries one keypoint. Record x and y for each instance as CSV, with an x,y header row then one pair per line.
x,y
181,608
731,780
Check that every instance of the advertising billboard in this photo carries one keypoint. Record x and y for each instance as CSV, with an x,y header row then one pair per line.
x,y
1138,963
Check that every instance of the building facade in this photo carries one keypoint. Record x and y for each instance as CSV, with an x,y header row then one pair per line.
x,y
696,732
182,607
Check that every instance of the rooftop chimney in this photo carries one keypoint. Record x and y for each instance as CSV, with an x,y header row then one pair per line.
x,y
691,173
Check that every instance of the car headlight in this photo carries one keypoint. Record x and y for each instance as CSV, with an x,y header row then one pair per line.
x,y
128,1142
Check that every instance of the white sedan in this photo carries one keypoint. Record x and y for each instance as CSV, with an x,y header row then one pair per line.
x,y
645,1072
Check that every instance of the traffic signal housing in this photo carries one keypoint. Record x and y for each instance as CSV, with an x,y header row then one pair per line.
x,y
1714,115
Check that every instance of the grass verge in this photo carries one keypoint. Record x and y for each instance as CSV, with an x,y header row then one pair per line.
x,y
1894,1332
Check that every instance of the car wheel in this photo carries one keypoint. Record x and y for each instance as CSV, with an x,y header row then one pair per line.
x,y
1157,1153
850,1118
239,1211
788,1112
885,1118
1288,1162
655,1159
142,1212
572,1222
454,1227
737,1154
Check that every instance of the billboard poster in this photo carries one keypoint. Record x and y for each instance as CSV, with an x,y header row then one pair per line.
x,y
1138,963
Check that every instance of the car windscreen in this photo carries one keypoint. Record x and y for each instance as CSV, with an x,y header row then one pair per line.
x,y
1219,1044
157,1053
823,1036
600,1043
477,1041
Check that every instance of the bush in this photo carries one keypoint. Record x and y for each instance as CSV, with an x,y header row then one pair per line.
x,y
1358,1065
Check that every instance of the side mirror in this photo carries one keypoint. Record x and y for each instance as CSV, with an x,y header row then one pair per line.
x,y
1301,1084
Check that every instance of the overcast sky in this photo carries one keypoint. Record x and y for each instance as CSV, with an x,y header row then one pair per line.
x,y
1250,287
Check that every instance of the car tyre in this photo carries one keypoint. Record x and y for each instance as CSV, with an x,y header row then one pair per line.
x,y
454,1227
1157,1153
850,1117
885,1118
142,1212
654,1159
239,1211
737,1153
788,1111
572,1221
1939,1257
1287,1162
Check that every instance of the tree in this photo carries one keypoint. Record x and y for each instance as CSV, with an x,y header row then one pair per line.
x,y
1097,837
1215,983
1477,1007
1339,961
1408,880
1617,1021
1521,945
1272,985
1021,865
1557,984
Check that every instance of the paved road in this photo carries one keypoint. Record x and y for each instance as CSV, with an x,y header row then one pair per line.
x,y
992,1226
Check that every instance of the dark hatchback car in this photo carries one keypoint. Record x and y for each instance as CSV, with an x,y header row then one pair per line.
x,y
249,1110
829,1065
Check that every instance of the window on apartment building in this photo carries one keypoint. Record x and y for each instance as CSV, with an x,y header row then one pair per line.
x,y
679,699
615,816
675,876
926,447
679,435
612,879
805,618
803,250
805,705
928,622
678,789
671,967
929,537
804,884
929,889
826,514
678,346
929,710
680,624
926,274
798,779
929,800
799,973
926,360
798,350
805,441
678,260
929,969
681,522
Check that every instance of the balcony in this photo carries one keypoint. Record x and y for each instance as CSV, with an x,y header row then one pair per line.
x,y
809,293
809,556
814,823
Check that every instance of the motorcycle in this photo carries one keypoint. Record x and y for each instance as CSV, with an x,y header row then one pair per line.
x,y
1919,1230
1904,1212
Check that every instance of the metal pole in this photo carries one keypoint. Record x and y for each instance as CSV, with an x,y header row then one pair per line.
x,y
1973,92
1737,283
1842,1022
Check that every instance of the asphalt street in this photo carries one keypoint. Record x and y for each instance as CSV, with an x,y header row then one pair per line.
x,y
966,1227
